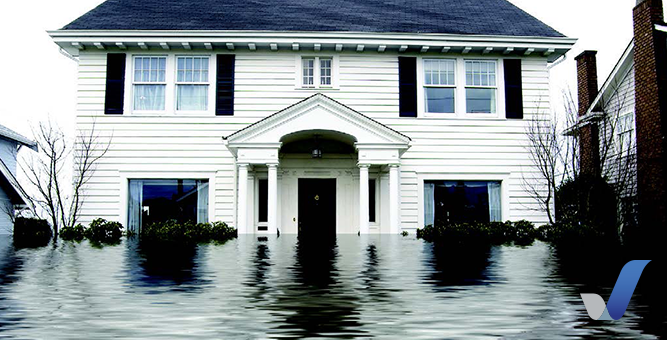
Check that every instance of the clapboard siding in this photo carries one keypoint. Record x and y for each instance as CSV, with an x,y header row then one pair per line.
x,y
172,145
620,102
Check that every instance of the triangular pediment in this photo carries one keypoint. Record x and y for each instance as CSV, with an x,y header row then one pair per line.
x,y
318,112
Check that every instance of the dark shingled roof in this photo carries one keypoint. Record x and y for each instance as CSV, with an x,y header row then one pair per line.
x,y
478,17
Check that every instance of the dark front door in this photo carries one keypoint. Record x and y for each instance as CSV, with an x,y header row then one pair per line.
x,y
317,207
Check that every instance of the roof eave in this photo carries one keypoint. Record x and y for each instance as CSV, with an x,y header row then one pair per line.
x,y
75,40
623,64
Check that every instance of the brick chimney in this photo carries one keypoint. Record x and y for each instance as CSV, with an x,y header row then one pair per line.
x,y
587,90
650,58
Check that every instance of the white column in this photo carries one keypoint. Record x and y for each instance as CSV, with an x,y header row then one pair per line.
x,y
394,199
273,199
363,199
242,202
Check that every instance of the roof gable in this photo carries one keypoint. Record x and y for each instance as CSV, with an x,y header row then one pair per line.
x,y
465,17
616,77
17,195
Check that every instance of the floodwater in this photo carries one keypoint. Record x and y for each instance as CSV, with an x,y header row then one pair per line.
x,y
356,287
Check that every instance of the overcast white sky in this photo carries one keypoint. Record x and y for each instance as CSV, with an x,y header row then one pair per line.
x,y
37,81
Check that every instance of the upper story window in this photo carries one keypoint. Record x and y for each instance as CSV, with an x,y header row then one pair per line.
x,y
480,86
192,83
316,72
440,85
149,83
625,133
171,83
458,86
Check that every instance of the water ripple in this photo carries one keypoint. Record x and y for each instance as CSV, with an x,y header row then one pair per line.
x,y
354,287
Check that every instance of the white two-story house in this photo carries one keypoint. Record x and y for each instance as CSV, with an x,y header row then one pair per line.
x,y
311,117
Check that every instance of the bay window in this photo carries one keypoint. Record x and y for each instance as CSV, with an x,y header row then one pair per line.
x,y
159,200
149,81
440,85
192,83
480,86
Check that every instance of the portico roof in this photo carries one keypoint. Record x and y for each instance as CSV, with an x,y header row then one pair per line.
x,y
327,107
261,140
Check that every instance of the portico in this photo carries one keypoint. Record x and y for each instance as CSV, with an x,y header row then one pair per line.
x,y
355,150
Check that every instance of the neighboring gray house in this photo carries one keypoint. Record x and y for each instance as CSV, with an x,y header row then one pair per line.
x,y
11,193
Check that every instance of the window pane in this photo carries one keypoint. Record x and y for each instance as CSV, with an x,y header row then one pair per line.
x,y
480,73
440,100
447,202
192,98
149,97
308,71
439,72
192,69
153,201
480,100
263,200
325,71
149,69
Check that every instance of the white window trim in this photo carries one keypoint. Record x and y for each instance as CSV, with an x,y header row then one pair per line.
x,y
455,87
170,90
460,91
316,73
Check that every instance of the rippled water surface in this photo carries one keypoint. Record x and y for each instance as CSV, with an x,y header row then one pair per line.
x,y
384,287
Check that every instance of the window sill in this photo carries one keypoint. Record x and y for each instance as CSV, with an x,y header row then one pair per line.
x,y
320,89
453,116
172,113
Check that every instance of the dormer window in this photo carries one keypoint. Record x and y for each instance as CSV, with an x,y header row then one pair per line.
x,y
316,72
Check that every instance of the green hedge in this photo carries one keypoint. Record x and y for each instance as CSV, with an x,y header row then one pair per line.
x,y
576,235
186,233
31,232
99,231
492,233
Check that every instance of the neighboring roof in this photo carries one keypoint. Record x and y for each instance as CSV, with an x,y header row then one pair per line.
x,y
468,17
7,133
616,77
611,85
17,195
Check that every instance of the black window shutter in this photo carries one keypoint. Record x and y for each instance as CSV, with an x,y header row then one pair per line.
x,y
407,86
115,87
513,89
224,103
